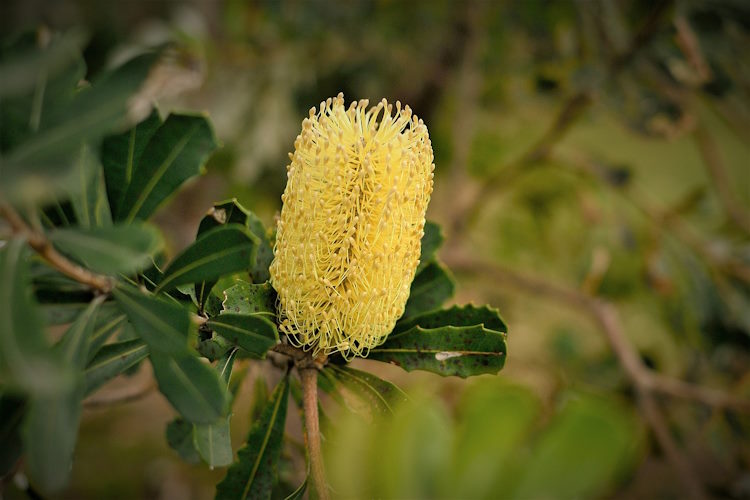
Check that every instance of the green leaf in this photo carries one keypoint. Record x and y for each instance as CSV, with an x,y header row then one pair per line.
x,y
249,298
12,410
463,351
26,360
110,250
430,288
218,252
299,492
74,345
431,241
380,394
468,315
193,387
90,203
252,332
120,154
180,439
254,472
42,163
213,441
175,153
231,212
107,323
51,430
581,453
163,325
111,361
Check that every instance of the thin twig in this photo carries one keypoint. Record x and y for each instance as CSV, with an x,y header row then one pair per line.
x,y
714,164
309,378
121,397
645,382
44,248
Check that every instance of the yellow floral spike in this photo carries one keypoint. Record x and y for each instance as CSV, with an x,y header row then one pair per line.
x,y
353,215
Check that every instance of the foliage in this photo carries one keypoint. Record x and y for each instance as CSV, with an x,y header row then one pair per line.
x,y
212,300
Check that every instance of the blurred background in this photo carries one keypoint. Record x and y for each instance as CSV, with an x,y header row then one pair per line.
x,y
593,184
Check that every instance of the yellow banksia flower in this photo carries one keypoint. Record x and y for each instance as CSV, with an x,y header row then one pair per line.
x,y
353,215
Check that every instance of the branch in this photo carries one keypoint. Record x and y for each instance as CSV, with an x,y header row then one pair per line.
x,y
645,381
722,183
308,373
44,248
121,397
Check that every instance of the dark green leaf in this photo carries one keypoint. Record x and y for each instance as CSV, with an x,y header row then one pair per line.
x,y
43,161
213,440
120,154
468,315
12,411
254,473
164,325
107,323
431,241
463,351
430,288
112,360
380,394
51,430
224,250
175,153
231,212
110,250
252,332
248,298
90,203
74,345
26,361
180,439
193,387
299,492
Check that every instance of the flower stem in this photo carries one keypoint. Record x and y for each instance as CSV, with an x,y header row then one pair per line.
x,y
309,378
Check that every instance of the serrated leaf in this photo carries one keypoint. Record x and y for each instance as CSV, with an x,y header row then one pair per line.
x,y
431,241
163,325
175,153
380,394
252,332
112,360
179,435
468,315
462,351
26,360
231,212
249,298
430,288
42,163
224,250
193,387
254,472
110,250
120,154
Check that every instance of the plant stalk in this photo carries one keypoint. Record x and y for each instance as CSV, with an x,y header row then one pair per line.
x,y
309,378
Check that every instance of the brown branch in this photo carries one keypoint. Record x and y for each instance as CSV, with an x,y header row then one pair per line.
x,y
645,381
129,396
308,373
44,248
714,164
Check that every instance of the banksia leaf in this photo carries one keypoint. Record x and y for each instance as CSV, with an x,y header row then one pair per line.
x,y
348,240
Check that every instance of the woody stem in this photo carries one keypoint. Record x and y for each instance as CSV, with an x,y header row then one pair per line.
x,y
309,377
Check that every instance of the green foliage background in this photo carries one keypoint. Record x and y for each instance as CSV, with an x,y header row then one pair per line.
x,y
626,206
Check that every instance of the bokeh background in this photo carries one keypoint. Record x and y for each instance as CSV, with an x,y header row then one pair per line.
x,y
593,184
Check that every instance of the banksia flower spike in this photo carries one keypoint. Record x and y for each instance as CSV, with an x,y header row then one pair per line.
x,y
353,215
